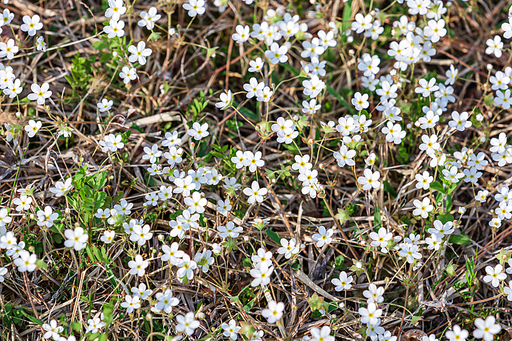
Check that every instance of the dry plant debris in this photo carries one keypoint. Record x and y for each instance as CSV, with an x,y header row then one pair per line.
x,y
255,170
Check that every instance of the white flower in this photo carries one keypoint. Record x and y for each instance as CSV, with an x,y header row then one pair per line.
x,y
115,9
4,217
486,329
452,174
277,54
374,294
381,239
139,53
46,217
503,98
288,248
369,180
274,312
231,330
362,23
112,143
76,238
312,49
323,237
165,302
263,258
108,236
494,46
61,188
423,208
152,153
360,102
198,131
150,17
261,275
371,314
6,17
256,65
123,208
195,203
172,254
225,99
40,93
31,25
105,105
186,268
22,203
494,275
369,64
423,180
141,234
242,34
187,323
410,251
435,30
171,139
310,107
507,290
14,88
142,291
194,7
52,330
457,334
204,260
138,266
343,282
433,242
114,29
26,261
460,121
128,74
131,303
8,49
229,230
33,127
264,95
426,88
313,87
394,132
255,193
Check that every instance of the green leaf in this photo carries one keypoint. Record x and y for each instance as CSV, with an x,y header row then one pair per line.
x,y
389,189
210,51
436,186
347,14
31,318
377,219
99,45
154,36
448,203
274,236
444,218
342,215
460,239
340,99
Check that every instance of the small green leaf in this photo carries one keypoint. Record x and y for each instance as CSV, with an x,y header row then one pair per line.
x,y
389,189
436,186
460,239
274,236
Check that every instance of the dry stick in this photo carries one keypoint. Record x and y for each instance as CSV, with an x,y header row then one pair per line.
x,y
29,294
463,63
230,48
